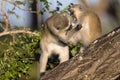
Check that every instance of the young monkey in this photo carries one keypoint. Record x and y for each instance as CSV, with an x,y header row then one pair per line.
x,y
54,39
91,26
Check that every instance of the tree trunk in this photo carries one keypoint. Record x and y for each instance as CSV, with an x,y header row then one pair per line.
x,y
100,61
38,13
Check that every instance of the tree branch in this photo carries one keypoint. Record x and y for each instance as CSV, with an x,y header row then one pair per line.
x,y
100,61
15,4
5,17
17,32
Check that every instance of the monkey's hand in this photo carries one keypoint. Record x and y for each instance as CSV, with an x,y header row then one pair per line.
x,y
42,74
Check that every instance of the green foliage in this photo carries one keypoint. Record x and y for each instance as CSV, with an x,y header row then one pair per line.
x,y
15,55
65,9
19,2
59,3
46,3
31,1
53,61
57,10
17,51
75,49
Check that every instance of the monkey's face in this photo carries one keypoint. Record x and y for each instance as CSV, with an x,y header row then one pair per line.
x,y
75,10
62,22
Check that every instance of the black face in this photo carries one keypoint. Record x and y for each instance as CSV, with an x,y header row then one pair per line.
x,y
71,12
78,27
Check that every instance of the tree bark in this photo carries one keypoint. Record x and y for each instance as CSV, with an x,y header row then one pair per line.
x,y
100,61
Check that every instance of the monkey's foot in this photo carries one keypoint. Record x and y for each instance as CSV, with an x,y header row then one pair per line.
x,y
41,74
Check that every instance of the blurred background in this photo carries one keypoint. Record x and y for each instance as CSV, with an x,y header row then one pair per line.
x,y
108,11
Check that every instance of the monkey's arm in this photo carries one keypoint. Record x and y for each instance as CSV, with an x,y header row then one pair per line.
x,y
71,32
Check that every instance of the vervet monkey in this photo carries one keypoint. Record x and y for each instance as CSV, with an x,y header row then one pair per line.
x,y
54,39
91,25
59,24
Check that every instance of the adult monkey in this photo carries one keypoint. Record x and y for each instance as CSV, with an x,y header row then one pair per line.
x,y
91,25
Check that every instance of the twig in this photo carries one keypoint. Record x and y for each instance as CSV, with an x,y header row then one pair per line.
x,y
15,4
5,17
17,32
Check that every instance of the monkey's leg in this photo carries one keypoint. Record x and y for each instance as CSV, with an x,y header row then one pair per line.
x,y
64,54
43,61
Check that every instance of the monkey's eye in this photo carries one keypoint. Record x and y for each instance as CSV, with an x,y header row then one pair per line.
x,y
58,28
